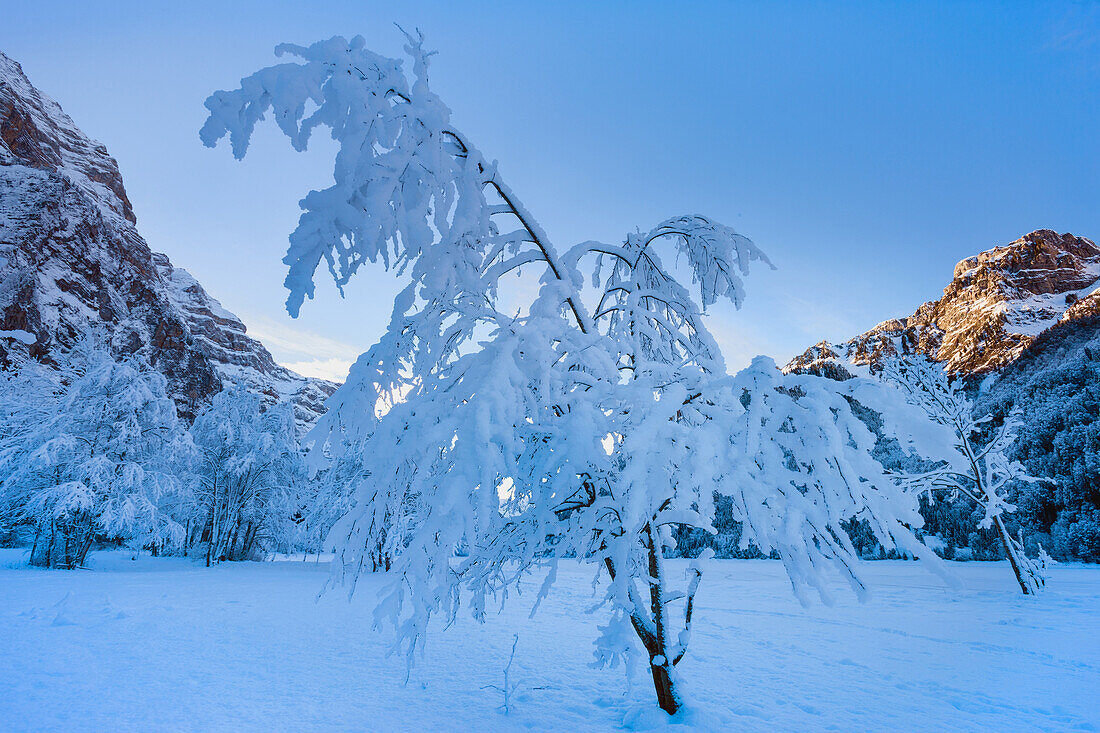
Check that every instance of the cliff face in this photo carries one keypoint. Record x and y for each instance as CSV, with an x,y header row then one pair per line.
x,y
994,308
1028,313
73,264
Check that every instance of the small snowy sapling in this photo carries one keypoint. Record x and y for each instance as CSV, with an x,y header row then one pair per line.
x,y
558,430
977,468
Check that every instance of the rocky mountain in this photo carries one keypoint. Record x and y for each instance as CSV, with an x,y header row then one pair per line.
x,y
72,263
1027,313
995,307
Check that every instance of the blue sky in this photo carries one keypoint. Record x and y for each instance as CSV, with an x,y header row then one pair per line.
x,y
865,147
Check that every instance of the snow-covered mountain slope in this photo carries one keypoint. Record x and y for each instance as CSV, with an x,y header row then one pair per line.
x,y
994,308
72,263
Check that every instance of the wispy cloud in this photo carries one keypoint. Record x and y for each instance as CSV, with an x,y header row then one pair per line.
x,y
303,351
1075,29
334,370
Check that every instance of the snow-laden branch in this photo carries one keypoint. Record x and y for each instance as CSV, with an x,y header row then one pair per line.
x,y
983,472
487,446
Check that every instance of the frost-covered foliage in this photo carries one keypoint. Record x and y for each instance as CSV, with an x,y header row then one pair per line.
x,y
1054,386
29,395
248,468
92,456
324,495
979,466
490,444
653,317
94,451
805,461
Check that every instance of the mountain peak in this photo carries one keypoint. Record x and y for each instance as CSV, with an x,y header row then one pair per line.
x,y
994,307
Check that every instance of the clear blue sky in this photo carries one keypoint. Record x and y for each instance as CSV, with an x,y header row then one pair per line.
x,y
865,147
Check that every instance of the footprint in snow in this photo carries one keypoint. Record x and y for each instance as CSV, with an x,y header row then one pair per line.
x,y
62,608
62,620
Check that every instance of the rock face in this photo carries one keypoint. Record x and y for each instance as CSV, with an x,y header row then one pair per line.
x,y
994,308
1027,314
73,264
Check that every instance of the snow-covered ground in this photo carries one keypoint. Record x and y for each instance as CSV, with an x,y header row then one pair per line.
x,y
163,644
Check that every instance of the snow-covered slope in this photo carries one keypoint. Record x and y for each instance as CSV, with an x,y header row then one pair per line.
x,y
72,263
993,309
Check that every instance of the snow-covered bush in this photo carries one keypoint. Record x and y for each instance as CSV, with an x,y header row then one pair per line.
x,y
559,431
247,464
978,467
1076,534
92,457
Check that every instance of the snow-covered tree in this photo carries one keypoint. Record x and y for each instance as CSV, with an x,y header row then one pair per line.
x,y
494,443
30,394
248,461
99,463
979,467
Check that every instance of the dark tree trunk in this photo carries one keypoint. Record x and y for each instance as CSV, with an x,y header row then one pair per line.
x,y
86,533
42,552
82,552
230,552
656,645
662,673
208,534
34,547
1010,553
245,551
51,547
667,698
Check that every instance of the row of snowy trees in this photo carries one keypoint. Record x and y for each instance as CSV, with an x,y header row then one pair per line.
x,y
95,450
593,420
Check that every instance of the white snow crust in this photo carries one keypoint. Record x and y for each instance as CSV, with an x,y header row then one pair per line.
x,y
164,644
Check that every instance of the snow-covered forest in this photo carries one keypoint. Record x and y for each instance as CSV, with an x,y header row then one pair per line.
x,y
541,498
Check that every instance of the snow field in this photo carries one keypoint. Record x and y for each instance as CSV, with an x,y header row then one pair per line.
x,y
167,645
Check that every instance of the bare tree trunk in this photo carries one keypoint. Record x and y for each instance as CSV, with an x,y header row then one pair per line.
x,y
652,627
212,523
66,559
51,548
86,534
1029,584
667,698
245,551
34,547
82,552
231,547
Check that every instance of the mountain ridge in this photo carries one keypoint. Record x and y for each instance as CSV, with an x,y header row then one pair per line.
x,y
73,263
1021,323
995,306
